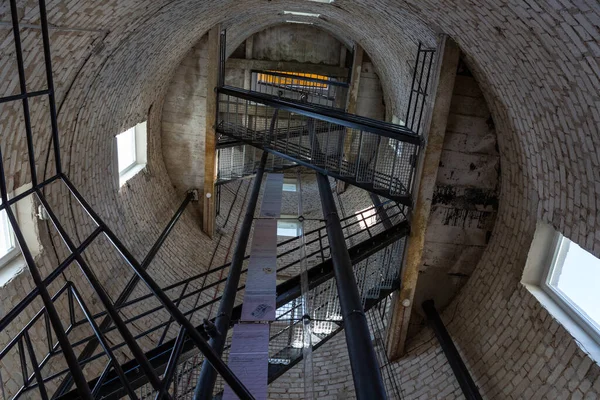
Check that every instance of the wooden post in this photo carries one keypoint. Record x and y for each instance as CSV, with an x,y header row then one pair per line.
x,y
351,103
248,72
402,303
210,143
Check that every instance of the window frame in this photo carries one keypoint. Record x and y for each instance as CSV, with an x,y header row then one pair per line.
x,y
135,158
14,251
140,154
289,219
290,181
560,245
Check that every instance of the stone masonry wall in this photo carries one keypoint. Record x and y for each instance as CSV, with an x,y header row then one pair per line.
x,y
537,64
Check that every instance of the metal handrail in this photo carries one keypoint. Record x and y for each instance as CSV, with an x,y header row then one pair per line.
x,y
327,114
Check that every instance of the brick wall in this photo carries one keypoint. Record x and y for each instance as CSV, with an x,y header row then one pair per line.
x,y
537,63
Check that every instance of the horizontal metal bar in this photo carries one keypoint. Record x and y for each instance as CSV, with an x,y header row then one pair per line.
x,y
12,314
327,114
402,199
22,96
28,192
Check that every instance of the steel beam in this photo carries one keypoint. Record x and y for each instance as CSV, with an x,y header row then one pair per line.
x,y
363,360
459,368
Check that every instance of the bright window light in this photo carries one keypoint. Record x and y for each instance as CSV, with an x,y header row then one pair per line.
x,y
131,152
289,226
366,217
290,185
126,149
322,1
302,14
8,248
572,280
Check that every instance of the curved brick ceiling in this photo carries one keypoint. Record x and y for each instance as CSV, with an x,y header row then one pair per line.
x,y
536,61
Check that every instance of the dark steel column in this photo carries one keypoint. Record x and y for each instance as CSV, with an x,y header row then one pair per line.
x,y
208,375
363,360
459,368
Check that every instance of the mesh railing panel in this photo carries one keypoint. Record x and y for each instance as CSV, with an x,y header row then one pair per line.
x,y
383,164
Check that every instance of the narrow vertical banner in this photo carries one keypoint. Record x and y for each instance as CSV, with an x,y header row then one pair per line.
x,y
307,309
249,355
249,359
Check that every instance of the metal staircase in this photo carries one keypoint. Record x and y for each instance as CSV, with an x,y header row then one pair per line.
x,y
373,155
376,259
65,342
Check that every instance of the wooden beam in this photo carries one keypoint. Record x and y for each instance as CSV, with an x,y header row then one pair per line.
x,y
357,61
247,72
210,143
288,66
351,103
448,56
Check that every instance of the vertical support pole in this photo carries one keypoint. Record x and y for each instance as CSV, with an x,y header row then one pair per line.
x,y
248,84
368,383
351,105
459,368
447,64
210,142
208,375
341,92
357,61
248,72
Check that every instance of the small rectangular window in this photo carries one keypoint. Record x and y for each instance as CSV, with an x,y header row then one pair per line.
x,y
126,150
131,152
289,226
8,247
290,185
572,280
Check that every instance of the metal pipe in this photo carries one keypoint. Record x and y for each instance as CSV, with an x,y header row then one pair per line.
x,y
363,360
50,85
90,348
459,368
208,376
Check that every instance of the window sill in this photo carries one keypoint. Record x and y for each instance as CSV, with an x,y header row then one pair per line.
x,y
11,270
583,339
130,173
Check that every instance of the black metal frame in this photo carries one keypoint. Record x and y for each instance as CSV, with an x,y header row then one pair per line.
x,y
304,78
188,335
41,285
106,323
374,242
419,88
286,292
459,368
368,383
327,114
